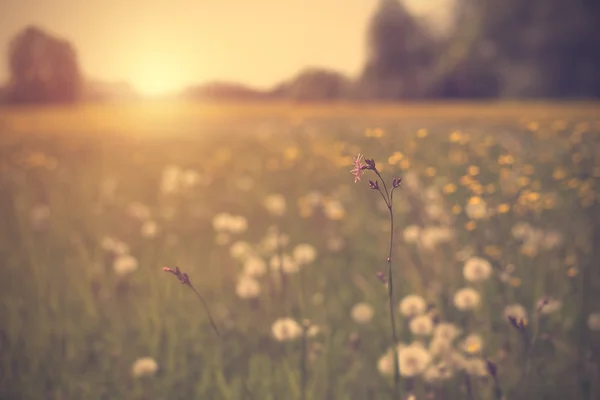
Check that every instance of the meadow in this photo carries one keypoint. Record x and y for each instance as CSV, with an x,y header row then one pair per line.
x,y
495,251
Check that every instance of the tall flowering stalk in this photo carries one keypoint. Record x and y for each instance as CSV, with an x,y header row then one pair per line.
x,y
388,197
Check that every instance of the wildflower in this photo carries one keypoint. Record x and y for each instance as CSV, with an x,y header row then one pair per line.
x,y
247,288
476,208
144,366
358,169
466,299
438,372
285,263
238,224
421,325
412,305
412,233
548,305
304,254
241,250
149,229
385,364
477,269
114,246
446,331
476,367
516,312
413,360
362,313
552,239
285,329
593,321
254,266
275,204
472,344
125,264
334,210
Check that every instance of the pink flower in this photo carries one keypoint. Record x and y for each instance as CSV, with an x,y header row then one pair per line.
x,y
357,171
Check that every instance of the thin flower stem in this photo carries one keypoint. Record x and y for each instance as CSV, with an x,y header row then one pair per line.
x,y
391,298
212,321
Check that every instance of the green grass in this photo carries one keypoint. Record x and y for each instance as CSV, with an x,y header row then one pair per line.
x,y
71,327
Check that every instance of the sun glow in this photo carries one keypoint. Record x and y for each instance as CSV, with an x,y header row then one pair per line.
x,y
158,79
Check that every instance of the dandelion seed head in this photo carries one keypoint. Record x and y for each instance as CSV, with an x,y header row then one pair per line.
x,y
412,305
421,325
362,313
247,288
125,264
145,366
477,269
467,299
285,329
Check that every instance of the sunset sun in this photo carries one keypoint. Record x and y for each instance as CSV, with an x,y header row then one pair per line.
x,y
158,79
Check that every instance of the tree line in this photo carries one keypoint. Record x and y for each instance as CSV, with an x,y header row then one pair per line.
x,y
498,49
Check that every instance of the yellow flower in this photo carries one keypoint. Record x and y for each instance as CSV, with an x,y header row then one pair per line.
x,y
559,173
430,171
515,281
456,209
421,133
405,164
449,188
572,272
471,226
503,208
473,170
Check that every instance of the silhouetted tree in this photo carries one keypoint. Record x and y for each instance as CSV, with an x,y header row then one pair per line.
x,y
400,55
43,69
316,84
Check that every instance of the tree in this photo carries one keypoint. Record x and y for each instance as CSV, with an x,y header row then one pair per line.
x,y
43,69
400,55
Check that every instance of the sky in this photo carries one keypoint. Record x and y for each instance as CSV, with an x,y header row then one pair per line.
x,y
160,46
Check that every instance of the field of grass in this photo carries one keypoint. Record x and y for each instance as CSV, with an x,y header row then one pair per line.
x,y
495,252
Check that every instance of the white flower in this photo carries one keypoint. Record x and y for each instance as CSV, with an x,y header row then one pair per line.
x,y
522,230
144,366
476,208
466,299
190,178
385,364
304,254
421,325
477,269
170,181
434,235
516,311
413,360
334,210
114,246
255,266
149,229
412,305
124,264
285,263
593,321
275,204
238,224
412,233
362,313
472,344
476,367
446,331
548,305
438,372
241,250
286,329
247,288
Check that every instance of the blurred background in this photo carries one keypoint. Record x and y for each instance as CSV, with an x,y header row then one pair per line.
x,y
67,51
219,136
